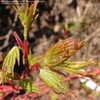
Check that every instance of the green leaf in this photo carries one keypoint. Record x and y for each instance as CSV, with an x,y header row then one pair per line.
x,y
33,60
74,26
53,96
75,71
61,51
10,60
26,12
78,64
29,86
54,80
1,78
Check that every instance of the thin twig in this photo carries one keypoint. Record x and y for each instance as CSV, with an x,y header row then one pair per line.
x,y
92,35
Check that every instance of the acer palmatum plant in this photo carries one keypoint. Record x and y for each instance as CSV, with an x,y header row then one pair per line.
x,y
16,78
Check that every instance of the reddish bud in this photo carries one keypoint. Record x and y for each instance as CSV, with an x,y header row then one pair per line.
x,y
35,67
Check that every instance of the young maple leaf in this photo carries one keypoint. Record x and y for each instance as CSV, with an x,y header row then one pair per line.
x,y
9,62
27,13
61,51
54,80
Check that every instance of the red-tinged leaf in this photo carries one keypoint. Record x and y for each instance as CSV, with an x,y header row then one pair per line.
x,y
61,51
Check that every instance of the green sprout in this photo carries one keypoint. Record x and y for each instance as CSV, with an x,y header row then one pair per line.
x,y
27,13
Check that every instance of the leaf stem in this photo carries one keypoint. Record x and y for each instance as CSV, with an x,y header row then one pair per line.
x,y
25,33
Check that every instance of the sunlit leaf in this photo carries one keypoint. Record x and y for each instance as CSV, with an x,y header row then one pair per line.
x,y
61,51
1,78
54,80
53,96
78,64
33,60
29,86
10,60
26,14
71,70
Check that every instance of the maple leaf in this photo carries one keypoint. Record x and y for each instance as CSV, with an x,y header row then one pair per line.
x,y
61,51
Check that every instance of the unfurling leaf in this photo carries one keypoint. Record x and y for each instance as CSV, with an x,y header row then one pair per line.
x,y
10,60
29,86
26,14
61,51
1,78
34,60
53,96
78,64
54,80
